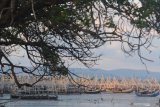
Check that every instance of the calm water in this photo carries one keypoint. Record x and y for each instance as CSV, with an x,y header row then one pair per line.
x,y
88,100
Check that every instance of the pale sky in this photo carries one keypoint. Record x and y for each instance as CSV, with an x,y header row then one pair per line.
x,y
113,58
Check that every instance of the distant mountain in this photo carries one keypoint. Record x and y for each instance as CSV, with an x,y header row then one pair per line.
x,y
116,73
111,73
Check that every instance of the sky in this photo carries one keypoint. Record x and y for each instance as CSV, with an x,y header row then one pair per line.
x,y
113,58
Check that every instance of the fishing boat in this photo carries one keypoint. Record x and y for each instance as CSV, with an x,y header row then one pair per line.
x,y
147,93
122,90
92,91
36,94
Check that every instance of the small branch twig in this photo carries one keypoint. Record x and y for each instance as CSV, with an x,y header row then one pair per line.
x,y
34,13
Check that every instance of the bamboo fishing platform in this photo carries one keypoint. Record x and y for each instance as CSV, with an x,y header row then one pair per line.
x,y
63,85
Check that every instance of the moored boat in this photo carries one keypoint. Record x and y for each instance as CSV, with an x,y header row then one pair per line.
x,y
35,97
123,90
147,93
92,91
36,93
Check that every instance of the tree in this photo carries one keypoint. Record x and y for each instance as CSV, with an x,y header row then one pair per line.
x,y
50,30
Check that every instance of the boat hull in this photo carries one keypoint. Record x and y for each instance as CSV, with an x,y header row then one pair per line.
x,y
93,92
123,91
151,94
34,97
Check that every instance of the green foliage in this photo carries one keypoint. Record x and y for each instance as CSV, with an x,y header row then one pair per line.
x,y
51,30
140,23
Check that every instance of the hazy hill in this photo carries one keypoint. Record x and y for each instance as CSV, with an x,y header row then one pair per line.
x,y
117,72
111,73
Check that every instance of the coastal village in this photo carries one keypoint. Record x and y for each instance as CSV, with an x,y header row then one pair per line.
x,y
49,88
79,85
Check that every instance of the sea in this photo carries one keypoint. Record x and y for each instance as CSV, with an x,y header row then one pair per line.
x,y
88,100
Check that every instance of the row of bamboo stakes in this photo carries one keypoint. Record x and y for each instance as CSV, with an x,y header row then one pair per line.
x,y
62,84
